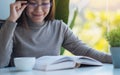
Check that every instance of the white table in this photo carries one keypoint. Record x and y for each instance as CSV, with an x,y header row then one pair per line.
x,y
106,69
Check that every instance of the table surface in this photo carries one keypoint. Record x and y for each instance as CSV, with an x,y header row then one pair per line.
x,y
106,69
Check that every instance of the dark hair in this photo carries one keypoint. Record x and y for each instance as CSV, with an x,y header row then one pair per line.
x,y
50,16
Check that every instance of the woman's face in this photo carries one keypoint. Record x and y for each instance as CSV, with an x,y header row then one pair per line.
x,y
37,10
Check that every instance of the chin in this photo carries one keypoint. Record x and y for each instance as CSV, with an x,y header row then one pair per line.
x,y
37,21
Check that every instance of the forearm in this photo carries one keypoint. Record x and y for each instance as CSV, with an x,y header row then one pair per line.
x,y
103,57
6,39
80,48
84,50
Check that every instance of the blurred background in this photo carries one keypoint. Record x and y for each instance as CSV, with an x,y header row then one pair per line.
x,y
93,21
4,8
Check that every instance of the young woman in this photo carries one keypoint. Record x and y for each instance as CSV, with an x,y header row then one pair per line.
x,y
31,30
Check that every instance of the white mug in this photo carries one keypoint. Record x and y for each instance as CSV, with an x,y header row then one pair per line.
x,y
24,63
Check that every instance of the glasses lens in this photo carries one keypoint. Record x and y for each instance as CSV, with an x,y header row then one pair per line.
x,y
43,5
31,4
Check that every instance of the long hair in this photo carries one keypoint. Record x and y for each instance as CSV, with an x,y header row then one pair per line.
x,y
50,16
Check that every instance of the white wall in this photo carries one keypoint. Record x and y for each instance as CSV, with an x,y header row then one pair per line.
x,y
5,8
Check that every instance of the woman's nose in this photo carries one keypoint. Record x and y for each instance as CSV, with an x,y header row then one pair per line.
x,y
38,8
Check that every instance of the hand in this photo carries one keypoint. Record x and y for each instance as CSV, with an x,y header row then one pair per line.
x,y
16,10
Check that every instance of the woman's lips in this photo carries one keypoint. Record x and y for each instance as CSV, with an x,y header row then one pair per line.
x,y
37,15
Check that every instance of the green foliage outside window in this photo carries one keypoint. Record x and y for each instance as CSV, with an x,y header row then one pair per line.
x,y
96,26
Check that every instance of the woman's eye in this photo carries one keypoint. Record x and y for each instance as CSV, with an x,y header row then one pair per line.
x,y
32,3
45,4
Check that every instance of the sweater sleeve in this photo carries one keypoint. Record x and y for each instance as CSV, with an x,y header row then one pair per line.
x,y
6,38
77,47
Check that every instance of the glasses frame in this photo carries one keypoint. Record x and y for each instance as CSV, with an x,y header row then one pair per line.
x,y
43,5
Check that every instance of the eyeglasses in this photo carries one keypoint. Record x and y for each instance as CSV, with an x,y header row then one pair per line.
x,y
43,5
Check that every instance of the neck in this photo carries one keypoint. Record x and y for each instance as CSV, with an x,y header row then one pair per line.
x,y
34,24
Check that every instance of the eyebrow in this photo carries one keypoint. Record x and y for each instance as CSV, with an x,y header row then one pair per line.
x,y
37,0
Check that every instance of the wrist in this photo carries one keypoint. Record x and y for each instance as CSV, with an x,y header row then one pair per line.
x,y
11,19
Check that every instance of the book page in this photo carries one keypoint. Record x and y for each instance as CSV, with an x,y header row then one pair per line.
x,y
60,66
62,62
86,60
53,62
53,59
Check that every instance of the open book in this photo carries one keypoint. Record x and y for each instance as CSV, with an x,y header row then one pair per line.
x,y
63,62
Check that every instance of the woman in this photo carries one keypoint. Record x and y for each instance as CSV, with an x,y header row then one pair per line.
x,y
31,30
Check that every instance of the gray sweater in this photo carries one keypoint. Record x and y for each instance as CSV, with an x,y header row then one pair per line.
x,y
40,40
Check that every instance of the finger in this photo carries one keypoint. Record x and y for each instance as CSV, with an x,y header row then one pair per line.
x,y
20,5
21,2
12,7
23,7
